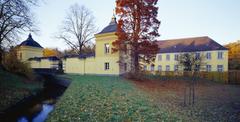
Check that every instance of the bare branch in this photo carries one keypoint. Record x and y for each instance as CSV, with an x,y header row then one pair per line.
x,y
15,18
78,28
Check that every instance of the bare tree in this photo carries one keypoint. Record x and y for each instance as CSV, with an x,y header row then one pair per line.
x,y
15,18
191,63
78,28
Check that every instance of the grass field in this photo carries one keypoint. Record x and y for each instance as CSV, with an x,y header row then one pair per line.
x,y
102,98
14,88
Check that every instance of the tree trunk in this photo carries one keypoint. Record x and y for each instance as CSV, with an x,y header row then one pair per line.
x,y
136,63
80,50
190,94
1,57
185,97
193,99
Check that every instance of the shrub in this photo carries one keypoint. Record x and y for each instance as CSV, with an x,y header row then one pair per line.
x,y
221,77
140,76
12,64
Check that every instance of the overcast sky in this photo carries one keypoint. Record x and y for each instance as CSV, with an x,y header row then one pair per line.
x,y
218,19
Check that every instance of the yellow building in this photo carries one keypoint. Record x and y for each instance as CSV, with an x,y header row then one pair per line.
x,y
29,49
103,61
44,62
32,52
215,55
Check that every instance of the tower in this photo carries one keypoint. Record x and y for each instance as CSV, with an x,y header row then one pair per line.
x,y
106,61
29,49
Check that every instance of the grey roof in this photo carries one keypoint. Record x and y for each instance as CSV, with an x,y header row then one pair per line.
x,y
82,56
30,42
189,45
51,58
112,27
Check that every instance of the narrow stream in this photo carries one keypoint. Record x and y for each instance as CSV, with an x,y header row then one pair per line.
x,y
36,108
41,116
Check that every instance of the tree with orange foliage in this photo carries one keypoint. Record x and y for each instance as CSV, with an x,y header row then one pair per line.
x,y
51,52
234,55
137,28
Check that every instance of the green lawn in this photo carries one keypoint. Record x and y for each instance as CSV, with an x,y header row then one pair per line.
x,y
102,98
14,88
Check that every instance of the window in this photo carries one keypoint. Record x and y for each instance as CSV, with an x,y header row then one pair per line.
x,y
167,68
145,68
208,55
106,66
176,57
20,56
125,49
152,67
107,48
208,68
175,67
197,67
167,57
197,56
220,68
159,68
159,57
125,66
220,55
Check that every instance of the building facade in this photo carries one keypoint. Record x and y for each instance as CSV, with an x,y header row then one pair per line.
x,y
215,56
32,52
29,49
103,61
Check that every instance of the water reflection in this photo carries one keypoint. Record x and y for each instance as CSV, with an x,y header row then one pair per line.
x,y
37,107
42,116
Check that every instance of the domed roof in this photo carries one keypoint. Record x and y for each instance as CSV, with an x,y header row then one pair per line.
x,y
112,27
30,42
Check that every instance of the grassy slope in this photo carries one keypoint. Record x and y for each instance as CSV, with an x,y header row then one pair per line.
x,y
99,98
13,89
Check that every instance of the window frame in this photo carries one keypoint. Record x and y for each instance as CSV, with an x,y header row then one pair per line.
x,y
176,57
159,57
159,68
197,67
208,57
220,57
175,67
106,66
145,67
106,48
168,57
220,69
167,68
152,67
197,55
125,66
208,68
20,55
